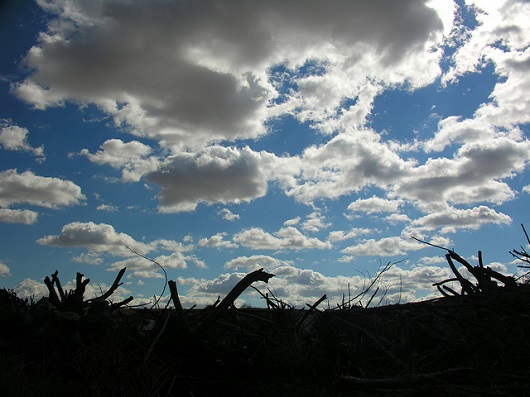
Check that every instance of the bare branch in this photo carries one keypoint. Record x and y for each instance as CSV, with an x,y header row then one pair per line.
x,y
155,302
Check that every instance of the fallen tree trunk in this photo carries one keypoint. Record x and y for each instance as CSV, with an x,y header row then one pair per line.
x,y
224,305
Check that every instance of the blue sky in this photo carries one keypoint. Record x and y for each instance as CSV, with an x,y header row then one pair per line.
x,y
310,139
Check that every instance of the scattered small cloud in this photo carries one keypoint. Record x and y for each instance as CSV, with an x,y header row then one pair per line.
x,y
340,235
13,137
375,205
288,238
217,241
107,207
292,222
26,217
5,271
315,222
90,258
228,215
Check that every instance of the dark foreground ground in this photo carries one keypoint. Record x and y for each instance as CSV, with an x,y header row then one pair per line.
x,y
463,345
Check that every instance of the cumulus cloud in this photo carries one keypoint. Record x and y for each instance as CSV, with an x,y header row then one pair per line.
x,y
194,78
5,271
346,164
142,268
95,237
107,207
432,260
214,175
393,218
131,157
198,85
28,188
90,258
315,222
29,288
505,19
217,241
452,219
288,238
255,262
228,215
297,286
375,204
292,222
340,235
26,217
13,137
473,175
385,247
103,239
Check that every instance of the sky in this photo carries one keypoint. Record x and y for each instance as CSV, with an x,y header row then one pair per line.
x,y
312,139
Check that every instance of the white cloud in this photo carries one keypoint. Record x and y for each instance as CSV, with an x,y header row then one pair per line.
x,y
393,218
292,222
104,239
433,260
107,207
95,237
347,163
387,246
143,268
315,222
288,238
340,235
503,20
5,271
171,245
192,90
228,215
131,157
13,137
374,205
152,69
473,175
36,190
255,262
217,241
300,286
29,288
214,175
90,258
26,217
452,219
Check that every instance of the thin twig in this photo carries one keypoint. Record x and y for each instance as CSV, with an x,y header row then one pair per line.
x,y
432,245
525,233
160,266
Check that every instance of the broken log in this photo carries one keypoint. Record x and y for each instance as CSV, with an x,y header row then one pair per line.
x,y
224,305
